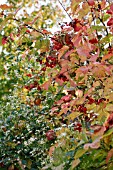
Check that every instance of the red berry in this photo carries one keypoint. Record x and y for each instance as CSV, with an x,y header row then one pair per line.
x,y
51,58
27,31
40,61
1,164
78,127
82,109
43,69
37,101
26,87
50,134
47,64
31,86
4,40
38,88
29,75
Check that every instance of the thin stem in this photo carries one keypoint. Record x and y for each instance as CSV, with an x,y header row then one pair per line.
x,y
105,29
30,27
103,25
65,10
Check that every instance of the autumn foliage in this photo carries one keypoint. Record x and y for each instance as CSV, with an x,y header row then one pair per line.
x,y
57,88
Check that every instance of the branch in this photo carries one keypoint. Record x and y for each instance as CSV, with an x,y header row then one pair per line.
x,y
65,10
105,29
103,25
30,27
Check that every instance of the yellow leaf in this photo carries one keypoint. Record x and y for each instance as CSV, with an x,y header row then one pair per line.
x,y
80,101
35,34
79,153
90,106
102,114
109,107
29,163
73,115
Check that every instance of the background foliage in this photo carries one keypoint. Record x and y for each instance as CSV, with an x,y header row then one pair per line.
x,y
56,88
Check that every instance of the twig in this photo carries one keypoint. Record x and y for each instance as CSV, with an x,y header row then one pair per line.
x,y
105,29
30,27
65,10
103,25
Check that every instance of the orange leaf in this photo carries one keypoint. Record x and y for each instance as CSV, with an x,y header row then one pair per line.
x,y
75,163
4,7
62,51
107,56
46,84
51,150
45,32
110,154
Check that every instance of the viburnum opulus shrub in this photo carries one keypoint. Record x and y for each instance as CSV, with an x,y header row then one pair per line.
x,y
65,91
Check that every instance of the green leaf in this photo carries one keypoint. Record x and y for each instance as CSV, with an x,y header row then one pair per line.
x,y
106,17
80,153
108,133
98,28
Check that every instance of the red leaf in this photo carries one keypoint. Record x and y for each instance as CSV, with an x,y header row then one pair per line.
x,y
77,40
4,40
91,2
68,54
111,6
83,51
94,145
66,98
110,11
93,41
45,32
110,22
76,25
93,58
